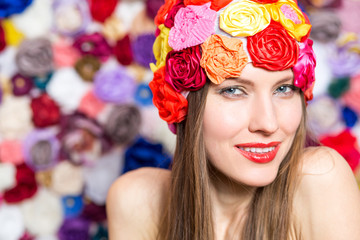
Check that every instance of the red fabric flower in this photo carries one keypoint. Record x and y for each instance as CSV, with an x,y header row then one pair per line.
x,y
346,145
172,105
273,48
102,9
25,185
216,5
265,1
123,51
93,44
45,111
163,11
170,18
183,70
2,38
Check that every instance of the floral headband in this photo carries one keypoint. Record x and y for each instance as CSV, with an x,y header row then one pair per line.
x,y
215,39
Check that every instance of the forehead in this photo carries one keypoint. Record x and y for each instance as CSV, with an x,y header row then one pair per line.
x,y
254,74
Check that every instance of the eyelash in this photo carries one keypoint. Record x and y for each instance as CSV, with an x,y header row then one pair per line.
x,y
225,91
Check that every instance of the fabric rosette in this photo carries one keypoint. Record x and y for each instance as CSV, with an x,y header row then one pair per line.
x,y
304,69
244,18
123,51
273,48
326,25
7,176
141,48
21,85
223,57
45,111
90,105
65,55
71,17
41,149
123,123
35,57
163,11
93,212
72,206
172,105
215,4
192,26
25,188
42,81
161,48
143,95
170,18
93,44
145,154
101,10
11,151
11,222
71,227
183,71
2,38
87,66
114,85
289,15
10,7
67,179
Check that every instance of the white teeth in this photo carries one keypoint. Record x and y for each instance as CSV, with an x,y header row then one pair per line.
x,y
258,150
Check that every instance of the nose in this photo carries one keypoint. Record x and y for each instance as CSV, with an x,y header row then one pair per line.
x,y
263,117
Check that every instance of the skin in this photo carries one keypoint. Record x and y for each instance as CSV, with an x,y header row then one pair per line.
x,y
261,109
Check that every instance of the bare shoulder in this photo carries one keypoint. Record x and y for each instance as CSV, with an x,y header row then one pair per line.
x,y
134,203
327,201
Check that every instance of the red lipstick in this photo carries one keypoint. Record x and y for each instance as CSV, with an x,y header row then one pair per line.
x,y
259,152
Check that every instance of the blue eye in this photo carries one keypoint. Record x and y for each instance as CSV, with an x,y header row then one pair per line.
x,y
232,92
285,90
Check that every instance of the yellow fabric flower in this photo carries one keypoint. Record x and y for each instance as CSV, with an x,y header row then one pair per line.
x,y
244,18
287,13
12,36
161,48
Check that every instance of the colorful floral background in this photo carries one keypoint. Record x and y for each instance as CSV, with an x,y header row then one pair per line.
x,y
76,110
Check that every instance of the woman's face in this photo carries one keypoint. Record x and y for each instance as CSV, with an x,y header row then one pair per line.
x,y
250,123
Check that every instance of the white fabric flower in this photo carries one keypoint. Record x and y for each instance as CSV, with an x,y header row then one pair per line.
x,y
11,222
7,176
43,213
7,62
67,179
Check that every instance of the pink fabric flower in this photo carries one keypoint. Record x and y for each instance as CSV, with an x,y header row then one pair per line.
x,y
192,26
11,152
304,69
91,105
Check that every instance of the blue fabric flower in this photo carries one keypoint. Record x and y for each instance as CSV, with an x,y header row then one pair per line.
x,y
143,95
72,205
9,7
101,234
42,82
142,49
349,116
145,154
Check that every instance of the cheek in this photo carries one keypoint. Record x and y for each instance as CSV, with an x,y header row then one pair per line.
x,y
290,117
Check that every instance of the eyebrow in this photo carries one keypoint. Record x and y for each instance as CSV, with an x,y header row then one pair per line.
x,y
251,83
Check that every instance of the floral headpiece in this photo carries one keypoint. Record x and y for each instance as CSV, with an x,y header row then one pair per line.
x,y
215,39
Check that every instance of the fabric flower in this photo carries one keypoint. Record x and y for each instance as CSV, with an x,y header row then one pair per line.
x,y
42,81
114,85
101,233
94,212
21,85
346,145
11,222
326,26
44,178
288,14
145,154
13,36
7,176
42,213
349,116
123,123
65,55
46,112
223,57
15,115
141,24
152,7
170,18
35,57
10,7
74,228
244,18
123,51
338,87
25,185
352,97
273,48
143,95
101,10
11,151
72,206
265,1
304,69
141,48
215,4
161,48
2,38
41,149
67,179
172,105
93,44
113,29
183,71
193,25
87,66
90,105
163,11
71,17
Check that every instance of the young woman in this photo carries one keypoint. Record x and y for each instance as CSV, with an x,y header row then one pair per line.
x,y
232,80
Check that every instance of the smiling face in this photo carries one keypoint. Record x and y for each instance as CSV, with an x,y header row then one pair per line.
x,y
250,123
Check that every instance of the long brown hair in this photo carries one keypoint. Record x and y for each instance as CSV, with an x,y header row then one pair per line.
x,y
188,214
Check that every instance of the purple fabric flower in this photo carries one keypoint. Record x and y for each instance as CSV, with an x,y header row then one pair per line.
x,y
114,85
74,229
93,44
10,7
41,149
142,49
72,17
21,85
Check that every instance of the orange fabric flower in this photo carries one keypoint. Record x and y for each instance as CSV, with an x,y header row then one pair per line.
x,y
172,105
163,11
216,5
223,57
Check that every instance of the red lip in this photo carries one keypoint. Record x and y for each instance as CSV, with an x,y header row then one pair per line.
x,y
259,157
